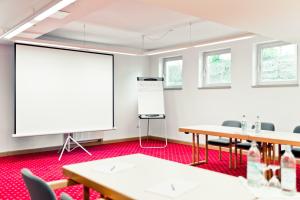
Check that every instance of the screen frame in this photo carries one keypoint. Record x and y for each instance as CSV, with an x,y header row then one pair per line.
x,y
66,49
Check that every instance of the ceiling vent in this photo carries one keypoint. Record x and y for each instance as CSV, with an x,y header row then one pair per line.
x,y
59,15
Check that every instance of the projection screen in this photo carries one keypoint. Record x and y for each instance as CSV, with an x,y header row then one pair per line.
x,y
62,91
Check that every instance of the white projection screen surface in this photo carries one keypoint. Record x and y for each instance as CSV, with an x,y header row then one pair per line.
x,y
62,91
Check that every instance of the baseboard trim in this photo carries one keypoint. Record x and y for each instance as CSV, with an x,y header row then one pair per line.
x,y
56,148
45,149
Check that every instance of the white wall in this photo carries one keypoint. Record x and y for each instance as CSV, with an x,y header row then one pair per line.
x,y
126,70
183,107
191,106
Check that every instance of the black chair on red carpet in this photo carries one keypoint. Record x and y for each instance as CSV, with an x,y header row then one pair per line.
x,y
225,142
40,189
266,126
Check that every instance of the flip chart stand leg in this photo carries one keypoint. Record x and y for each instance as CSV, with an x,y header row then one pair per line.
x,y
148,128
67,146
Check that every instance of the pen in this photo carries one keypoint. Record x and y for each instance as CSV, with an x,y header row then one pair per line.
x,y
113,168
173,187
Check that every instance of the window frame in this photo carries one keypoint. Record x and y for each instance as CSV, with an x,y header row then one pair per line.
x,y
203,75
164,71
270,44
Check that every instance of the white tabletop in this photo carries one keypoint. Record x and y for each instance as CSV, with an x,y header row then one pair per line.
x,y
136,174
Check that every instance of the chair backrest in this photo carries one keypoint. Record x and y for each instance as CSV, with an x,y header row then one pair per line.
x,y
37,187
266,126
296,129
64,196
232,123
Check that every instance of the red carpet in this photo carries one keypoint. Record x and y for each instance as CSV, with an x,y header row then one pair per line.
x,y
47,166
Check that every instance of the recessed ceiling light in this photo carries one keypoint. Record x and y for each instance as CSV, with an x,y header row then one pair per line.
x,y
59,15
53,9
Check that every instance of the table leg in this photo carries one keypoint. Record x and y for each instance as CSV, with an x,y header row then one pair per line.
x,y
230,153
241,156
193,149
206,149
279,153
235,152
197,150
273,153
86,193
265,153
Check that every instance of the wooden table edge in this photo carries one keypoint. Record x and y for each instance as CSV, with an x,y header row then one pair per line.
x,y
241,136
215,133
103,190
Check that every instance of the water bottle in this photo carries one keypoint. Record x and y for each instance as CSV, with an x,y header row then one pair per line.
x,y
244,123
288,171
257,125
253,166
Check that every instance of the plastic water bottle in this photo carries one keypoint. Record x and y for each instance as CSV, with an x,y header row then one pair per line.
x,y
244,123
257,125
253,165
288,171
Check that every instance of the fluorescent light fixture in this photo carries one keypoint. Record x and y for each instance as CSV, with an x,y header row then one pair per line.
x,y
53,9
18,30
225,41
73,47
165,51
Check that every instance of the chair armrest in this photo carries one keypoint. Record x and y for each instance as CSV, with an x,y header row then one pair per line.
x,y
61,183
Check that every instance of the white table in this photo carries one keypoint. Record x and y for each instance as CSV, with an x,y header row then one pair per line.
x,y
271,137
147,172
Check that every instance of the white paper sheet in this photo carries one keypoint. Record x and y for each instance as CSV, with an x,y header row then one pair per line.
x,y
172,188
113,167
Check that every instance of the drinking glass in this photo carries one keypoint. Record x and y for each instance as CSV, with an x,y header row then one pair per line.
x,y
274,182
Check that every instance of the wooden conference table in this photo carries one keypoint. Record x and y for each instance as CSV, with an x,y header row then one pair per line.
x,y
144,177
270,137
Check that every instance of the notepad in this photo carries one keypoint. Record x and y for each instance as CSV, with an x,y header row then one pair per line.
x,y
113,167
172,188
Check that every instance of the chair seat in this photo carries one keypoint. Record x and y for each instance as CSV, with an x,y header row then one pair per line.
x,y
244,145
296,152
224,142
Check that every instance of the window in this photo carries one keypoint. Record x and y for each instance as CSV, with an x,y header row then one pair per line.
x,y
276,64
172,69
216,69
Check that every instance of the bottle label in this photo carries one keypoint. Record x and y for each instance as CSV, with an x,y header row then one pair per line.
x,y
288,179
253,172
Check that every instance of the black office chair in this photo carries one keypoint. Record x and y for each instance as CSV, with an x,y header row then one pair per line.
x,y
295,150
38,188
246,145
225,142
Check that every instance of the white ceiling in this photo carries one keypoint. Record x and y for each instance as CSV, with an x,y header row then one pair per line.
x,y
123,22
278,19
13,12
